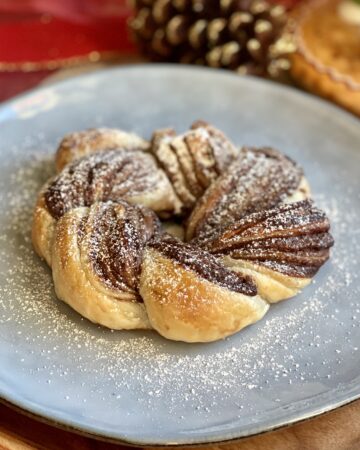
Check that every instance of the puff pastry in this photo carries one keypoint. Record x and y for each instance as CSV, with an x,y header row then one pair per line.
x,y
281,248
96,260
253,236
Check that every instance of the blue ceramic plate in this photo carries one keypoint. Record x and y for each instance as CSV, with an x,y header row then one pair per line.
x,y
302,359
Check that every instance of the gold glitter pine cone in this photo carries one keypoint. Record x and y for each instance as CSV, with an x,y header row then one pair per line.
x,y
241,35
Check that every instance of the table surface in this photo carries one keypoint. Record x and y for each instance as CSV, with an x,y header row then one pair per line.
x,y
337,430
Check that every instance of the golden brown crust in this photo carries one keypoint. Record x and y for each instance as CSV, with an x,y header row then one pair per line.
x,y
185,307
79,286
321,84
281,248
327,63
272,286
42,231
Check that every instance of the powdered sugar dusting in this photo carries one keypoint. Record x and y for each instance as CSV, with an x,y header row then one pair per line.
x,y
111,175
193,159
240,190
114,240
292,239
309,341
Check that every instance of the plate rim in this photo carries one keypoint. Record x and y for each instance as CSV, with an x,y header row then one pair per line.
x,y
37,412
68,425
295,91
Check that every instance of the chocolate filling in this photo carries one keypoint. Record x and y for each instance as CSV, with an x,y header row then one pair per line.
x,y
192,161
111,175
203,264
292,239
259,179
116,235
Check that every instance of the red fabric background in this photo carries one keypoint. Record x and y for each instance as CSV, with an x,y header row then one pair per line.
x,y
42,30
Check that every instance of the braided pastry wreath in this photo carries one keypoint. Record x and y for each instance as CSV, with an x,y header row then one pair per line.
x,y
251,236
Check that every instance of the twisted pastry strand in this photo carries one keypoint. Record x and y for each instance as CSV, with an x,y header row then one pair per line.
x,y
281,248
193,160
102,176
82,143
258,179
190,296
96,259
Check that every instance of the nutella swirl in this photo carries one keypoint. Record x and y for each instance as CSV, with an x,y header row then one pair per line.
x,y
113,237
202,263
107,175
259,179
292,239
193,160
79,144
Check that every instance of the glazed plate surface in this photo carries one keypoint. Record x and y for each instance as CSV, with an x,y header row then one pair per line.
x,y
302,359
